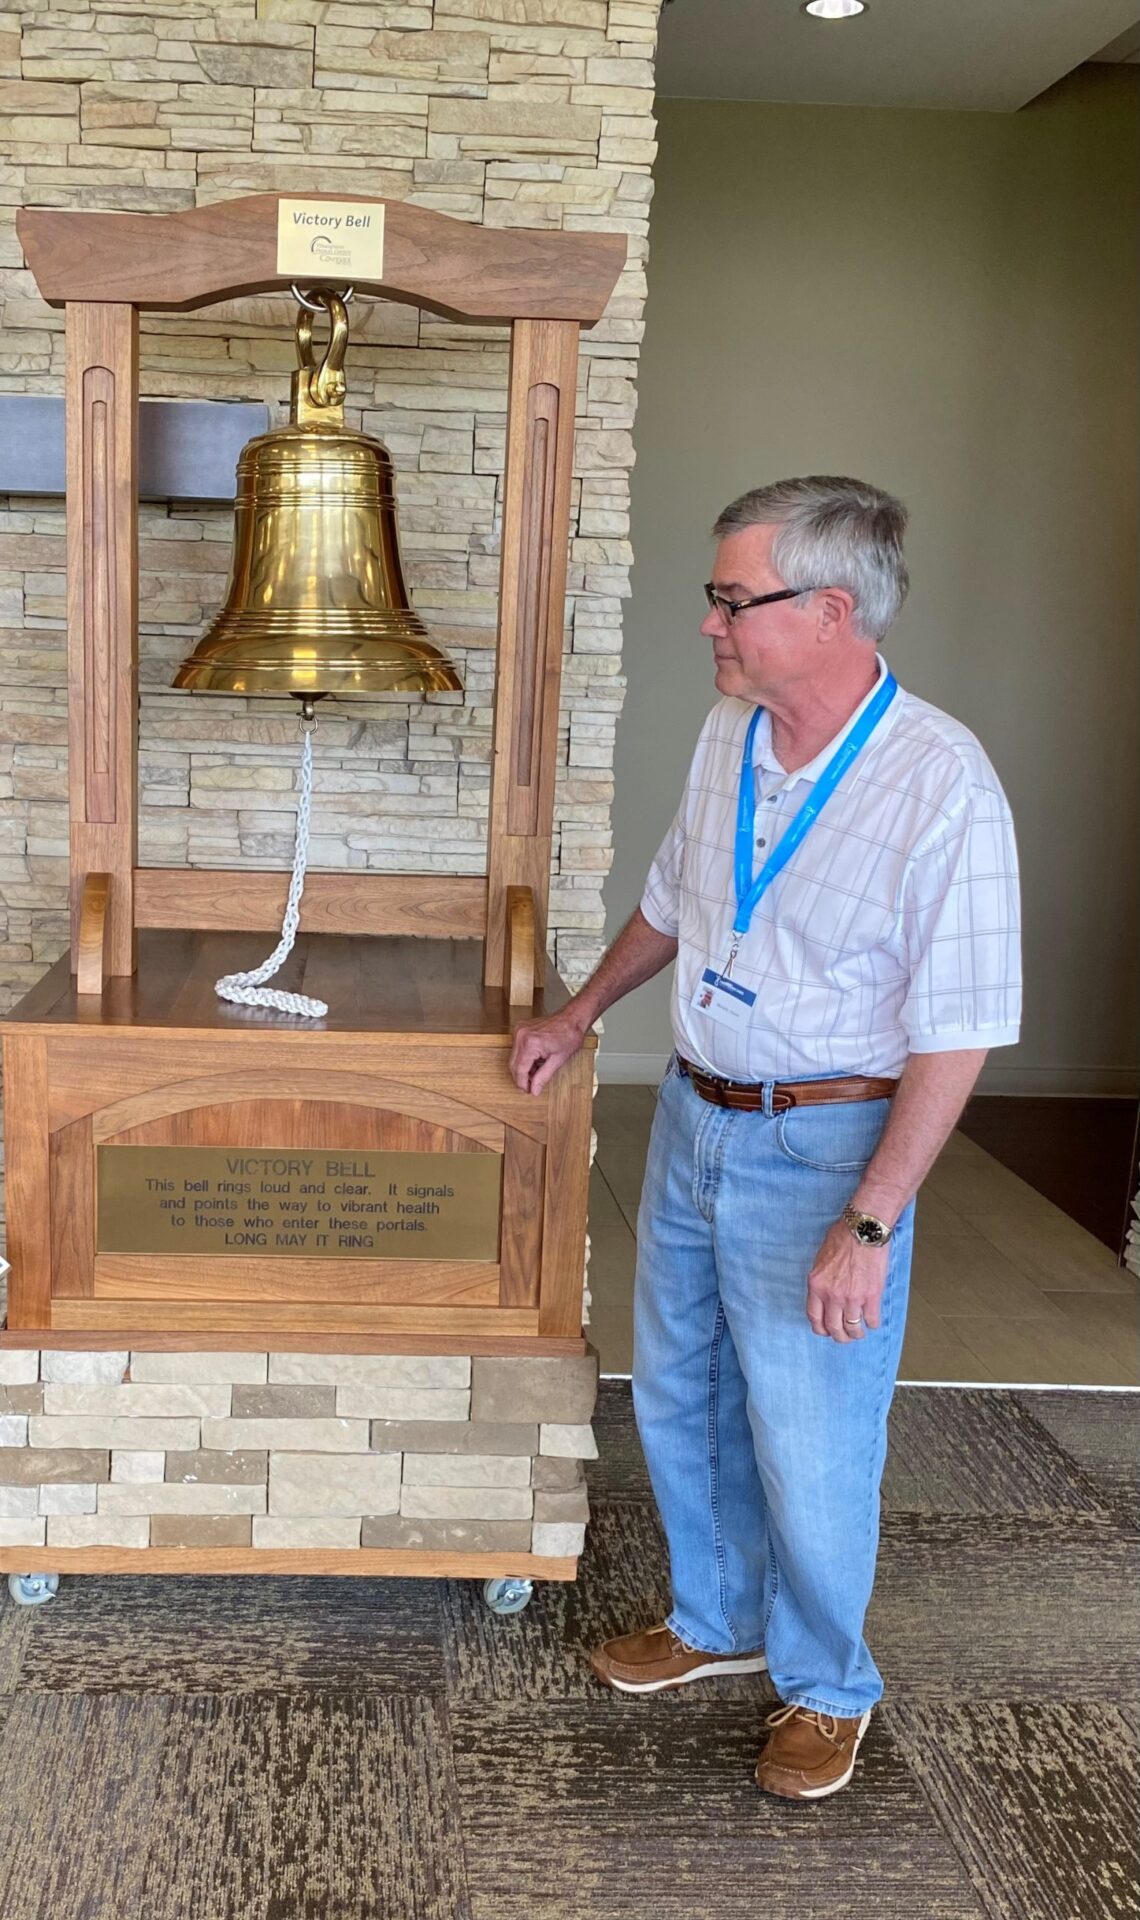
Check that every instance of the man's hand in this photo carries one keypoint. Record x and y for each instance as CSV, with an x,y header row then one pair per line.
x,y
845,1277
542,1046
846,1282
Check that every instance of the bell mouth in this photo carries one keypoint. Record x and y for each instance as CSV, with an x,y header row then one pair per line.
x,y
289,658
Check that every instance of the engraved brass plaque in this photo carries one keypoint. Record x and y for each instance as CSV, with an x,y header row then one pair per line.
x,y
274,1203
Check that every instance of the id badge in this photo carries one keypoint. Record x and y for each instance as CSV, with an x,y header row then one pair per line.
x,y
724,1000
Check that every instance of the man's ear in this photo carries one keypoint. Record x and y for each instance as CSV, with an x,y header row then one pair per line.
x,y
836,608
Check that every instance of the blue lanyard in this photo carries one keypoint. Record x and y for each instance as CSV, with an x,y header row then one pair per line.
x,y
750,892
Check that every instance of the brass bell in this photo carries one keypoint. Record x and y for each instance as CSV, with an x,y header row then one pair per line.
x,y
316,602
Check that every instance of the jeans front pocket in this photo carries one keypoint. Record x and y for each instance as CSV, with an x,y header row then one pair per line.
x,y
839,1138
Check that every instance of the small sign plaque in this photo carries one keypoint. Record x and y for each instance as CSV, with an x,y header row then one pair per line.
x,y
330,239
276,1203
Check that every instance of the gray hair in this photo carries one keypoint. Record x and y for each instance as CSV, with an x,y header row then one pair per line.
x,y
833,532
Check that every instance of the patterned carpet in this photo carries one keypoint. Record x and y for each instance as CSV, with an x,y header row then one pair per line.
x,y
388,1750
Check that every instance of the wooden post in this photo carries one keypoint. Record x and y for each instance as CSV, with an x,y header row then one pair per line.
x,y
91,972
536,521
29,1187
102,608
522,950
571,1095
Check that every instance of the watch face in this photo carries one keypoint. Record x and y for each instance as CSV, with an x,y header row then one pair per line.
x,y
869,1231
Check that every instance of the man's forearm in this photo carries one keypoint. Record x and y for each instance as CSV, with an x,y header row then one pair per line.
x,y
932,1091
637,954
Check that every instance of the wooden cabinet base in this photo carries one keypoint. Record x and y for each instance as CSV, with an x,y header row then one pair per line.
x,y
386,1373
180,1167
368,1563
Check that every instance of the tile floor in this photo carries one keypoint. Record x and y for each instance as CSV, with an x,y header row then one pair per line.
x,y
1006,1288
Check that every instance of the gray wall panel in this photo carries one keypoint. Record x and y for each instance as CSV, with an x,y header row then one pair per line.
x,y
188,449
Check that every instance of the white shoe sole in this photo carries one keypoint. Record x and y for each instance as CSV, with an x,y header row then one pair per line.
x,y
821,1793
756,1663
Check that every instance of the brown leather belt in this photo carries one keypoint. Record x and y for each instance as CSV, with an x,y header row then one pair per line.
x,y
748,1096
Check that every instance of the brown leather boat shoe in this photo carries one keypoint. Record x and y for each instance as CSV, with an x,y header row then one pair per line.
x,y
654,1660
809,1755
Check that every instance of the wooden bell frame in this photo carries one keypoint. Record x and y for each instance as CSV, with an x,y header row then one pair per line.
x,y
104,269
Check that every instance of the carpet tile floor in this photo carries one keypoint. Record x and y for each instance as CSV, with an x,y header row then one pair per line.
x,y
274,1749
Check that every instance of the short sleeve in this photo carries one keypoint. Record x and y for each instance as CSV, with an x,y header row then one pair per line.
x,y
660,902
961,924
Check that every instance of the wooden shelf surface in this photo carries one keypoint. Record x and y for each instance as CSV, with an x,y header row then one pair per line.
x,y
373,984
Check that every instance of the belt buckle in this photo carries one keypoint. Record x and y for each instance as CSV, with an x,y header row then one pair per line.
x,y
709,1087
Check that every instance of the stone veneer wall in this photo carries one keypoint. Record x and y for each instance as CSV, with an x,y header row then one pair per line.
x,y
294,1450
531,113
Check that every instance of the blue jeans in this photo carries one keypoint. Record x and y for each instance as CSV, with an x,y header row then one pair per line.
x,y
765,1442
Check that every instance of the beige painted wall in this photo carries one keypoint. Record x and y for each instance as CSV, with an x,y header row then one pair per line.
x,y
945,304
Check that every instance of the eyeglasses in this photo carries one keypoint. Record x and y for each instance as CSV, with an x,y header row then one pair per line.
x,y
728,609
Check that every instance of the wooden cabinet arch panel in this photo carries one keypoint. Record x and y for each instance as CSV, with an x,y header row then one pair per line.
x,y
269,1123
81,1087
79,1272
355,1091
308,1123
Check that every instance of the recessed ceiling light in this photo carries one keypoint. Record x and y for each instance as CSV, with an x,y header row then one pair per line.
x,y
835,9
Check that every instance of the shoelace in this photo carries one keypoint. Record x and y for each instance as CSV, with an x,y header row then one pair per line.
x,y
827,1723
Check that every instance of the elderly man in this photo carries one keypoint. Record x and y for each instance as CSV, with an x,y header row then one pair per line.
x,y
839,890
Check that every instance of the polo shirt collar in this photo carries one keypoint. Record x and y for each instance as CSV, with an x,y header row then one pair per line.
x,y
764,754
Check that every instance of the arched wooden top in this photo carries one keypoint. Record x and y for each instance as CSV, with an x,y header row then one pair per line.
x,y
342,1089
171,262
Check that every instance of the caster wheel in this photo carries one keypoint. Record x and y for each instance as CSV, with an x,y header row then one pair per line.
x,y
33,1589
508,1596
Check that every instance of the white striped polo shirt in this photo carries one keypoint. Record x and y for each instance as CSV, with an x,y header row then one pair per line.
x,y
895,926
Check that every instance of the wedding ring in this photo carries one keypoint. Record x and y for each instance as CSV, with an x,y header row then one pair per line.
x,y
852,1323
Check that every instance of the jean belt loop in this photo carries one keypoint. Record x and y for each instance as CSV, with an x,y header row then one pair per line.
x,y
769,1089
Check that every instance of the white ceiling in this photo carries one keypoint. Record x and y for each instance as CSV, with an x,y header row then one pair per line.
x,y
992,55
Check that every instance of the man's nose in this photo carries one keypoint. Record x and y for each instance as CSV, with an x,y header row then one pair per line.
x,y
714,624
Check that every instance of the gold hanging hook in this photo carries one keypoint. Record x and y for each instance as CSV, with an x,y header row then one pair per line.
x,y
322,387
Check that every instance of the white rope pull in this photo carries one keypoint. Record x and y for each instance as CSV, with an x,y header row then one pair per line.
x,y
247,989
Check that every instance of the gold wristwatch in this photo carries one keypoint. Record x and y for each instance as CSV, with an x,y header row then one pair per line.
x,y
867,1229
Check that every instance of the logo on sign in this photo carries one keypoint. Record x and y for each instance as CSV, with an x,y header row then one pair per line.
x,y
328,252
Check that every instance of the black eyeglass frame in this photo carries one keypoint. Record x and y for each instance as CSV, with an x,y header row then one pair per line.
x,y
728,609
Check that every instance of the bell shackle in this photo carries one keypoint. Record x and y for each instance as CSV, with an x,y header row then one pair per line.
x,y
323,385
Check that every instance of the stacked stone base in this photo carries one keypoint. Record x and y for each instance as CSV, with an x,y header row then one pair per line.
x,y
293,1451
